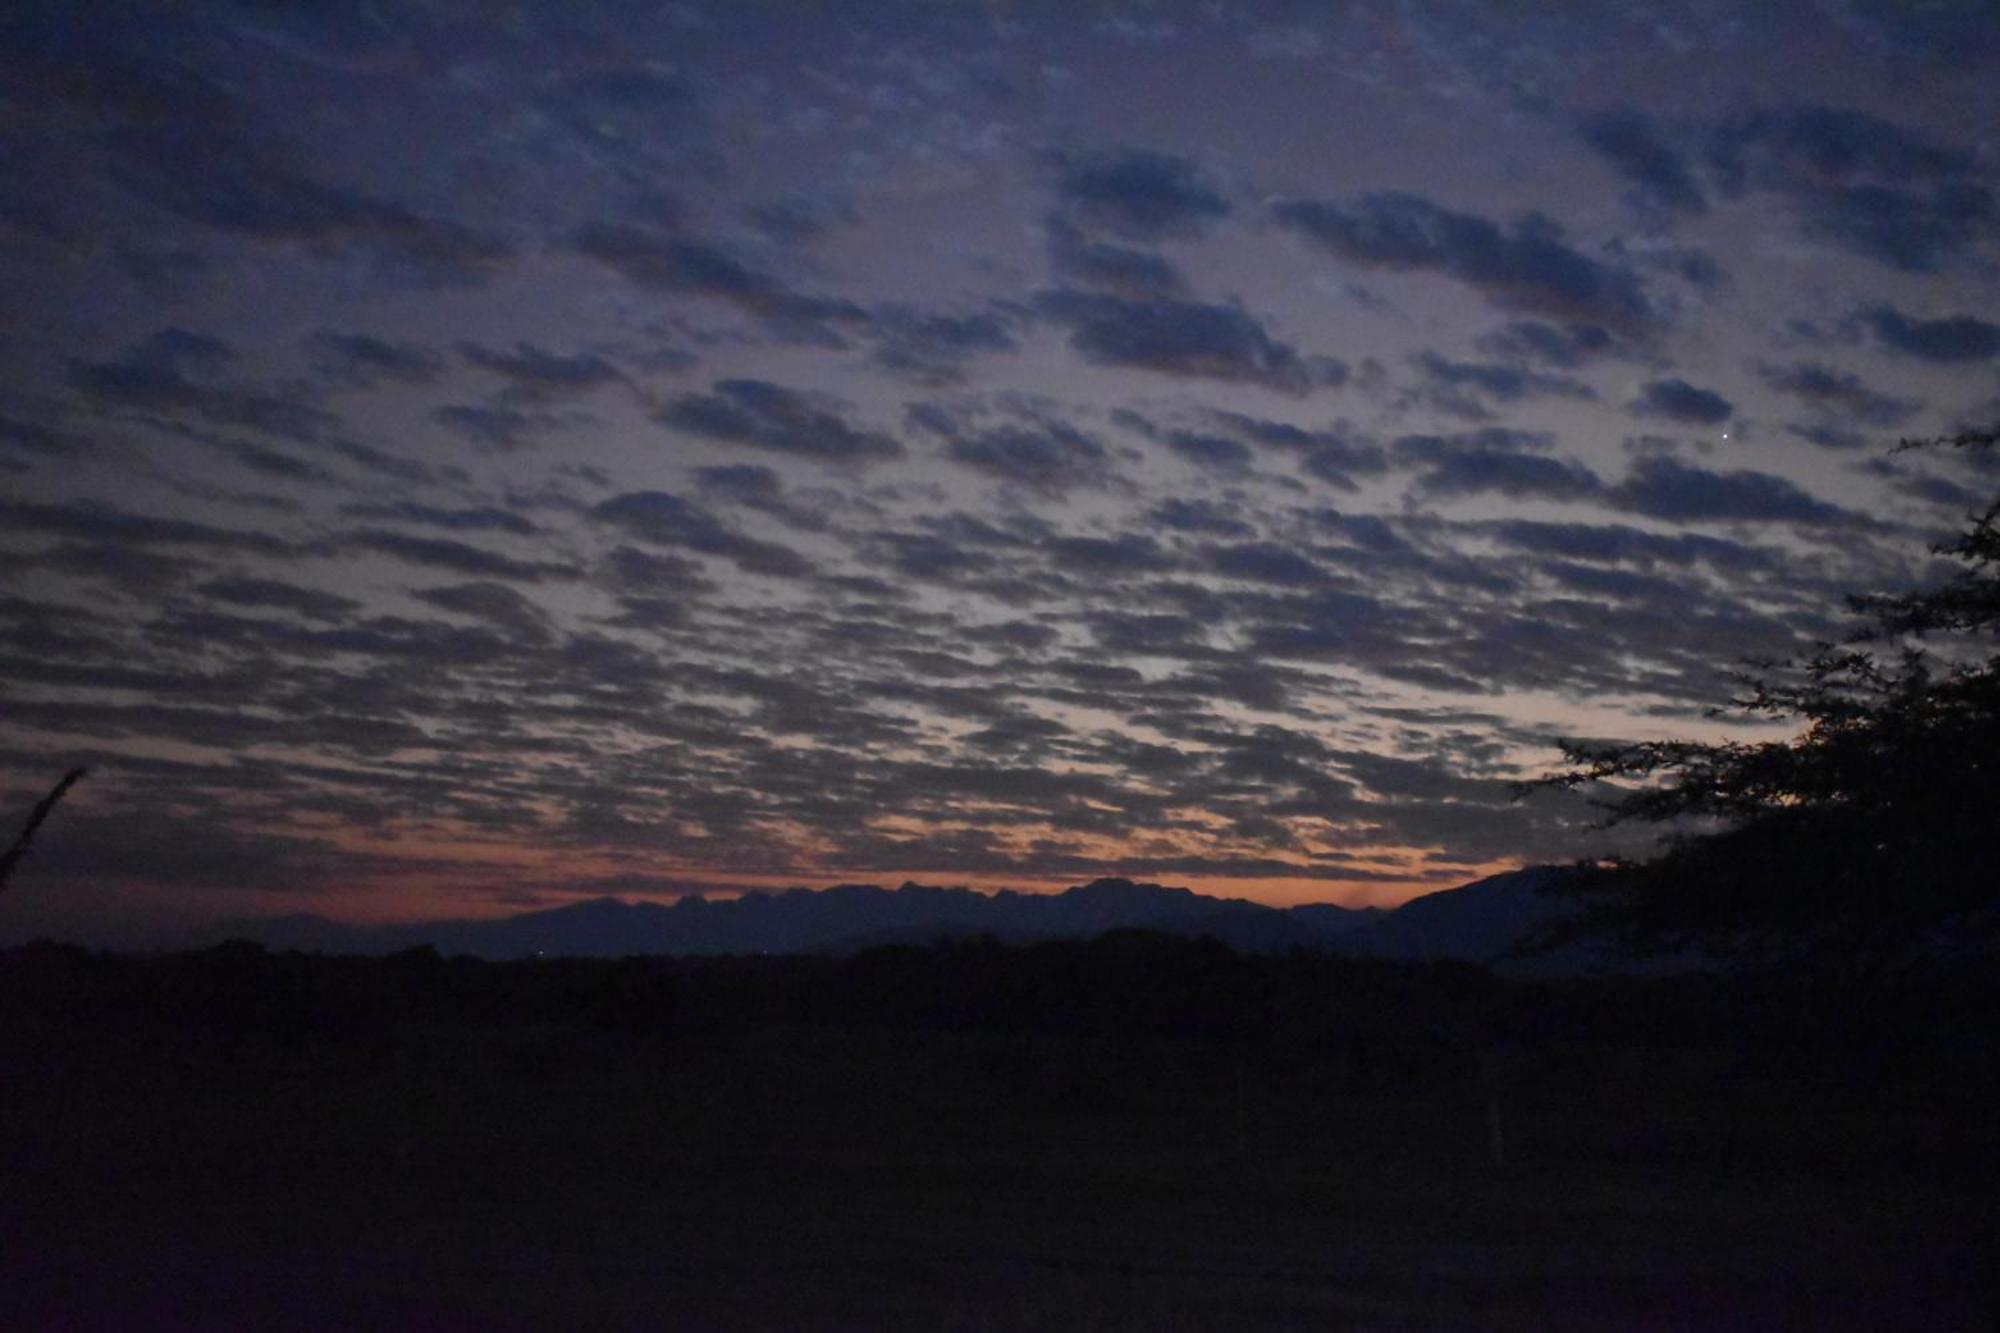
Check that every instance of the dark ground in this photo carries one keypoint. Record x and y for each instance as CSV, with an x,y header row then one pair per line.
x,y
1140,1133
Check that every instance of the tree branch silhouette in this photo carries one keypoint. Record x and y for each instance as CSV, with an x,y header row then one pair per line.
x,y
35,817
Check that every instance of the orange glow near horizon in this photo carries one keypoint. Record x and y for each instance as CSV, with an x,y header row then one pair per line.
x,y
492,879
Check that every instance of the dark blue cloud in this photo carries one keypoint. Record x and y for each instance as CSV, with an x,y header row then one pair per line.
x,y
1528,266
457,556
1218,453
1519,476
1264,562
360,360
1784,147
36,438
659,518
485,518
1051,458
662,262
1118,270
1138,194
1633,143
1202,516
934,347
534,374
1829,436
1666,489
1449,382
1336,457
175,373
1677,400
186,144
98,522
624,107
801,217
769,416
1107,557
280,594
1565,347
1617,542
498,429
1946,339
1861,182
1497,461
931,556
1837,393
1184,338
1918,231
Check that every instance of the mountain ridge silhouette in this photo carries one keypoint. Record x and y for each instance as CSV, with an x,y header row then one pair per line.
x,y
1475,922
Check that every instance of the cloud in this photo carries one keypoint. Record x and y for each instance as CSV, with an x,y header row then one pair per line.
x,y
1459,386
1796,145
1868,185
184,145
252,591
484,518
1865,184
934,347
535,375
1116,270
105,523
1049,457
187,849
1137,194
801,217
627,569
360,361
1665,489
1564,346
1186,339
1529,266
1335,456
1264,562
628,108
659,518
1944,340
133,570
1200,516
763,415
1630,140
1123,556
174,373
1496,461
497,429
1607,542
1837,393
497,605
34,438
1914,231
1215,453
456,556
660,262
1677,400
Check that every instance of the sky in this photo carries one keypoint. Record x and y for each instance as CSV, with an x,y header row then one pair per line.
x,y
463,457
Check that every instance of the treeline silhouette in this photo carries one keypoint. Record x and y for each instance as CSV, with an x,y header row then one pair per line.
x,y
1342,1026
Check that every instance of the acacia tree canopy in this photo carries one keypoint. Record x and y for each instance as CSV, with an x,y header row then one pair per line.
x,y
1867,833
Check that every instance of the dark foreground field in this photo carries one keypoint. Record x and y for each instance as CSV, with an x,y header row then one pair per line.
x,y
1140,1133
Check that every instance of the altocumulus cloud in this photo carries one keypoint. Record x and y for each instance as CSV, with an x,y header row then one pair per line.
x,y
764,415
1529,265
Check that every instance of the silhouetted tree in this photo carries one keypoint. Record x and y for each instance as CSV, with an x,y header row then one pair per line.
x,y
19,848
1864,834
